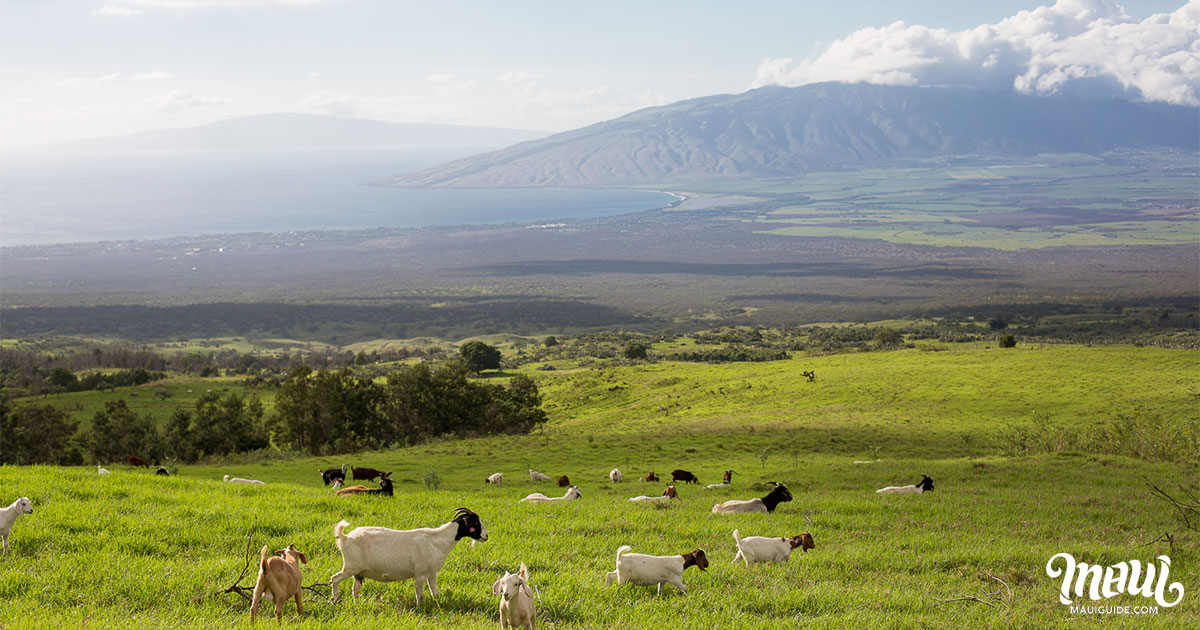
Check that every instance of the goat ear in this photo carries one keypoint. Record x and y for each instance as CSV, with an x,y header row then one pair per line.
x,y
498,584
525,588
280,552
523,572
303,558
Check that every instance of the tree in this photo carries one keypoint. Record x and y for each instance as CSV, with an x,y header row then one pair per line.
x,y
888,338
117,432
479,356
36,434
61,378
550,341
634,350
1008,341
996,323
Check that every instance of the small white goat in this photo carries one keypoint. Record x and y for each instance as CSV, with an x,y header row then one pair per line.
x,y
926,485
537,476
537,497
229,479
766,504
615,475
666,497
390,555
9,515
516,601
495,478
337,484
645,570
753,549
279,580
100,470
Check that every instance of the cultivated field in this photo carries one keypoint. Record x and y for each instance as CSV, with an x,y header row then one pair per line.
x,y
133,550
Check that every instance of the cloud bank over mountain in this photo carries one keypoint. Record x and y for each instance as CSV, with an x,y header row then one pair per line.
x,y
1086,48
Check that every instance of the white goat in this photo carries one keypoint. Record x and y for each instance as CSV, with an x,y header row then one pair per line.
x,y
615,475
726,481
229,479
766,504
516,601
537,476
9,515
666,497
926,485
537,497
753,549
100,470
645,570
494,478
390,555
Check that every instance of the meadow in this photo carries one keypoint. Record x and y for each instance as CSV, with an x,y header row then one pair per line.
x,y
133,550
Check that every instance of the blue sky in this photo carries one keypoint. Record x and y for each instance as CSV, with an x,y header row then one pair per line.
x,y
77,68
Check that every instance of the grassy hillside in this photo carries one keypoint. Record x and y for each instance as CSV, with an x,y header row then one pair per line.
x,y
132,550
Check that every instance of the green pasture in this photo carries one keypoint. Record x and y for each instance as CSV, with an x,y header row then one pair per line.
x,y
132,550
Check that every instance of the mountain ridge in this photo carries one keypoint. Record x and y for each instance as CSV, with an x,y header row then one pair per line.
x,y
776,131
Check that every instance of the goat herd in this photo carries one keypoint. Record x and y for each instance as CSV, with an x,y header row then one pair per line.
x,y
389,555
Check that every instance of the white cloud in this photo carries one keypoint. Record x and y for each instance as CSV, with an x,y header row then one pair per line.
x,y
442,78
178,100
115,10
518,77
1076,46
157,75
332,104
72,83
189,4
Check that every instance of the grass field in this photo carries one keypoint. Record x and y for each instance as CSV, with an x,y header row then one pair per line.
x,y
133,550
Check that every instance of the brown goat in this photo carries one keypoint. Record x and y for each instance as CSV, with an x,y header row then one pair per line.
x,y
563,482
279,580
650,476
366,473
134,460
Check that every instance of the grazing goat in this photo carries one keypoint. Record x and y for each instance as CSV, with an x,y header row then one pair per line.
x,y
496,478
9,515
753,549
229,479
390,555
766,504
726,481
100,470
563,481
925,485
330,474
678,475
650,476
134,460
516,600
365,473
385,488
279,580
666,497
537,476
645,570
615,475
162,472
537,497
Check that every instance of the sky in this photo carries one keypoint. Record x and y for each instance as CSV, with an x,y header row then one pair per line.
x,y
74,69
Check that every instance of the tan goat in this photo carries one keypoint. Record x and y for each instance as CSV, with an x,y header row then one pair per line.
x,y
279,580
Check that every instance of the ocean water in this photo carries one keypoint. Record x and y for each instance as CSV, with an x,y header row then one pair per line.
x,y
48,198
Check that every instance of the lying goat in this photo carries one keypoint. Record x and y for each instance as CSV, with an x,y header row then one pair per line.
x,y
563,481
726,481
390,555
162,472
666,497
537,497
279,580
9,515
645,570
925,485
229,479
650,476
537,476
516,601
384,489
100,470
766,504
753,549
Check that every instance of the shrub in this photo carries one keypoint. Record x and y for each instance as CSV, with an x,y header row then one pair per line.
x,y
479,356
634,351
1008,341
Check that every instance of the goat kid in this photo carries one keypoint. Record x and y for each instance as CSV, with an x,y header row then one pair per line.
x,y
650,476
537,476
766,504
537,497
666,497
100,470
9,515
615,475
279,580
645,570
925,485
516,600
753,549
390,555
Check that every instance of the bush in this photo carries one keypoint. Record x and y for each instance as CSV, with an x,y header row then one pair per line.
x,y
634,351
888,338
1008,341
550,341
479,356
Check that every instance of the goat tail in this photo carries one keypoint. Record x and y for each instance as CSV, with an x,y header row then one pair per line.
x,y
262,562
624,549
737,538
337,532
